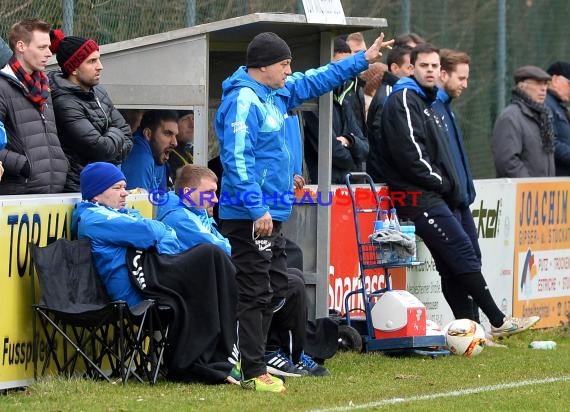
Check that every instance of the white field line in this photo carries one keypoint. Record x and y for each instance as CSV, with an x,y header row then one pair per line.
x,y
460,392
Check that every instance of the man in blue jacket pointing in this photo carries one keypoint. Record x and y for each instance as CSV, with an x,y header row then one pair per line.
x,y
257,172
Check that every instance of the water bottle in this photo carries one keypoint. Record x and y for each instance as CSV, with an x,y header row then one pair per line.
x,y
542,344
409,229
3,136
394,224
378,225
385,220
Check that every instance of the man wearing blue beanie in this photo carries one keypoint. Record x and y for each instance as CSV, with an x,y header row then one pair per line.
x,y
199,281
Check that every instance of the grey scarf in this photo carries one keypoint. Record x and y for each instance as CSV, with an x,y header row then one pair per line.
x,y
541,114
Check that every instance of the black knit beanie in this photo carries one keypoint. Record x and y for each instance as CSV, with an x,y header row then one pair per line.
x,y
266,49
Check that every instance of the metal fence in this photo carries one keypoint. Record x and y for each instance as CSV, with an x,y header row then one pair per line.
x,y
534,32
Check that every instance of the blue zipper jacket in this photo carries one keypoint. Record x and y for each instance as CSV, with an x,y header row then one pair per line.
x,y
442,106
193,226
111,232
250,125
140,169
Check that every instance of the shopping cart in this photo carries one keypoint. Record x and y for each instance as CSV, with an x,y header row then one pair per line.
x,y
383,258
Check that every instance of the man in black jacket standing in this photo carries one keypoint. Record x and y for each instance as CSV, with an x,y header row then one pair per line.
x,y
90,128
416,157
398,62
32,159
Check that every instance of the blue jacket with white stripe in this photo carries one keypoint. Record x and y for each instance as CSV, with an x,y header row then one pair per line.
x,y
415,155
251,127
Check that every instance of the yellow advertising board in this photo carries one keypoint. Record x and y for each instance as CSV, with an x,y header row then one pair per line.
x,y
40,220
541,281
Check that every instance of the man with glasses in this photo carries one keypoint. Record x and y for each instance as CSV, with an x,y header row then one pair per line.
x,y
523,136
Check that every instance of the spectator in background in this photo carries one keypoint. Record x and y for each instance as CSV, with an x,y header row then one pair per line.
x,y
372,79
183,154
556,99
398,61
408,39
416,156
146,167
89,126
5,53
250,125
349,143
523,135
33,159
356,42
132,117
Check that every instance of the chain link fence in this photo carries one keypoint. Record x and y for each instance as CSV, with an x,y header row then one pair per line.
x,y
535,32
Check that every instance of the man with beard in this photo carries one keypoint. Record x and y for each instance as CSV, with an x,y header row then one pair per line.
x,y
89,126
146,166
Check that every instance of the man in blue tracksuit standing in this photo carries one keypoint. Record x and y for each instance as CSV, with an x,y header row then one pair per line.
x,y
453,79
257,175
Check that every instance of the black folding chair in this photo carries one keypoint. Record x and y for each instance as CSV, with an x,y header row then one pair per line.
x,y
98,334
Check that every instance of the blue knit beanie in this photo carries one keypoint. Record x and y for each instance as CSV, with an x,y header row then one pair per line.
x,y
97,177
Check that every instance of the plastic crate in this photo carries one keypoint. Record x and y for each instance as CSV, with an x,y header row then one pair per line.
x,y
381,254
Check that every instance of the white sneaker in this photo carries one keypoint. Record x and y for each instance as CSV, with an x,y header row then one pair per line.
x,y
512,326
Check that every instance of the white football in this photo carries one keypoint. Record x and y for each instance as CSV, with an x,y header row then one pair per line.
x,y
465,337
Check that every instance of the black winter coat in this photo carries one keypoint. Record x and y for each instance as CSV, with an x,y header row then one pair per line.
x,y
90,128
373,123
416,155
32,138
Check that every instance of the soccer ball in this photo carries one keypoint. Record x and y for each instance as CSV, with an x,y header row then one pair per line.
x,y
465,337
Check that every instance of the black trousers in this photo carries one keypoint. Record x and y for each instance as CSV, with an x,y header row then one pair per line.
x,y
465,219
261,276
288,326
458,260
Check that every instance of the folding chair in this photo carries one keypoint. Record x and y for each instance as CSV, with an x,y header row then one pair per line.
x,y
98,334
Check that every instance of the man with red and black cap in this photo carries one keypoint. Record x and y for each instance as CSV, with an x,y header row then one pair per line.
x,y
251,125
90,128
33,160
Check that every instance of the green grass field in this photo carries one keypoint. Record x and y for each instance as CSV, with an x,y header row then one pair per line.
x,y
513,379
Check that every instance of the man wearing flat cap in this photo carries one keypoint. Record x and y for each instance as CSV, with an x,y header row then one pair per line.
x,y
90,128
523,136
251,125
556,100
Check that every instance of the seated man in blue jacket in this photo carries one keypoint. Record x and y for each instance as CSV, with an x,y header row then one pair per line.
x,y
187,212
140,258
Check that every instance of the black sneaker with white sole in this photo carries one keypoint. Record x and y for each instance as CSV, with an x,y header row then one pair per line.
x,y
280,365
